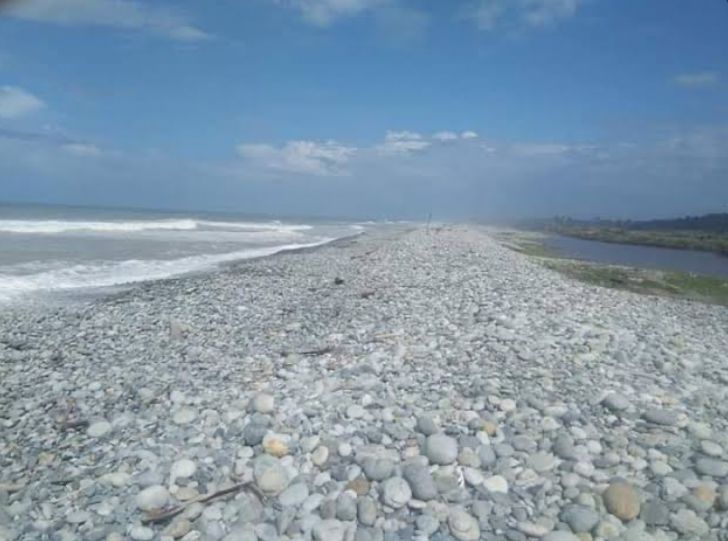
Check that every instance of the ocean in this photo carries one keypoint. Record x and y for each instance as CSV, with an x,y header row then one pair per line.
x,y
63,249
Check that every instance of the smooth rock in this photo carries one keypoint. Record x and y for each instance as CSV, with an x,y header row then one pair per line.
x,y
441,449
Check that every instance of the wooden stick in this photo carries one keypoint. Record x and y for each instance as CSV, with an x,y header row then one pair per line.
x,y
164,515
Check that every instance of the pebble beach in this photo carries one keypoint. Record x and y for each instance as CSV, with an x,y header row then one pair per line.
x,y
409,384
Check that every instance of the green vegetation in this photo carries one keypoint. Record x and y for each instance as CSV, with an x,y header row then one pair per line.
x,y
645,281
707,233
683,239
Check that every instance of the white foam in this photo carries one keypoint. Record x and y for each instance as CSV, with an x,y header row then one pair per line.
x,y
107,274
188,224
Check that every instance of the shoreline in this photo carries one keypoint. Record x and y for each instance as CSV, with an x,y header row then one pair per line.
x,y
646,281
405,384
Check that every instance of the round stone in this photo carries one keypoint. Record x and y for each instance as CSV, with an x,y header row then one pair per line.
x,y
78,517
275,444
184,416
98,429
616,402
420,481
183,469
320,455
355,411
622,500
686,522
253,433
366,511
270,476
542,462
462,525
345,450
141,533
152,498
263,403
294,495
497,484
580,518
427,425
378,469
396,492
441,449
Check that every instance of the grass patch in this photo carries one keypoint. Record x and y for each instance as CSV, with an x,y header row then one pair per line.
x,y
681,285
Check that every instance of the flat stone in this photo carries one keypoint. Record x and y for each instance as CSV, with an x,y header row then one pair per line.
x,y
711,448
560,536
78,517
711,467
616,402
320,455
661,417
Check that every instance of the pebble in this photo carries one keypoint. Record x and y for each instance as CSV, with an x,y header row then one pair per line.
x,y
152,498
98,429
661,417
462,525
396,492
441,449
183,469
621,500
497,484
711,467
294,495
581,519
616,402
263,403
420,481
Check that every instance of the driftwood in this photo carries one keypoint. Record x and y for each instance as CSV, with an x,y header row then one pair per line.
x,y
317,352
161,516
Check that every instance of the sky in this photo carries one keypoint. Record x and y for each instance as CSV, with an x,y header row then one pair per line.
x,y
464,109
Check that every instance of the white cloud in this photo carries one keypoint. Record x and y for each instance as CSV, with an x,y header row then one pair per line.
x,y
445,136
402,142
112,13
325,12
490,14
469,134
697,80
82,149
16,102
304,157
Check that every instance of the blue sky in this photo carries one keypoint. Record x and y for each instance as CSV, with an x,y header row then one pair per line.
x,y
382,108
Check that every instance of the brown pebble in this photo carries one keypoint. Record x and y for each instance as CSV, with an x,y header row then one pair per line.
x,y
359,485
